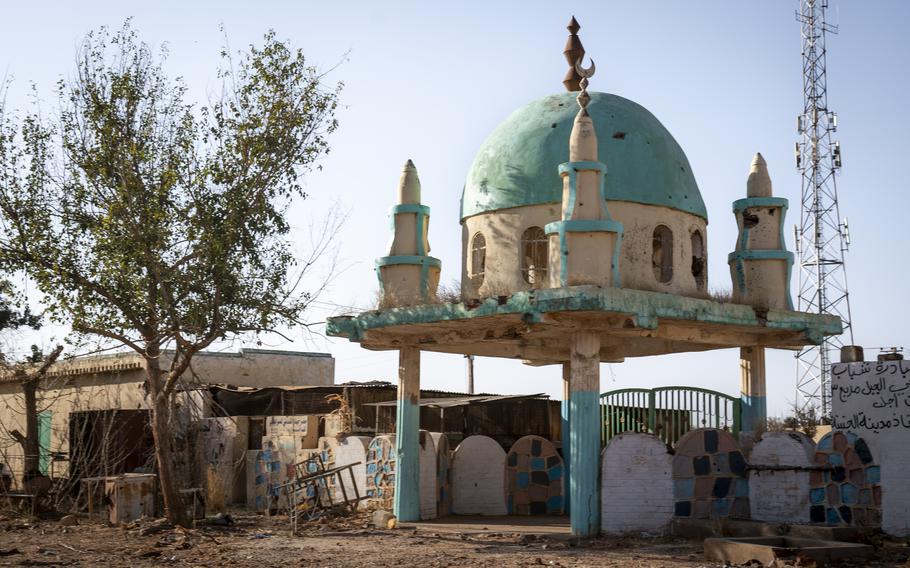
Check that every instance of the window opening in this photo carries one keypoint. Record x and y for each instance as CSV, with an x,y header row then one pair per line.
x,y
478,258
662,253
534,250
698,259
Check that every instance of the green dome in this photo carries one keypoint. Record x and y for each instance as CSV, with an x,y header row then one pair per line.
x,y
516,165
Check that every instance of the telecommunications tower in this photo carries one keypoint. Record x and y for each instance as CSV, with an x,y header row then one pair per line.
x,y
821,237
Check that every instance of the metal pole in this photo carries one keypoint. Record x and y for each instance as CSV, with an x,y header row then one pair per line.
x,y
470,359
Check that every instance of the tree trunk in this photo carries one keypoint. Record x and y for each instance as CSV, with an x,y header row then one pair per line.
x,y
30,445
164,451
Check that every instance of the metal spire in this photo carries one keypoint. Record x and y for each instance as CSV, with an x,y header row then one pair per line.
x,y
821,237
583,97
573,52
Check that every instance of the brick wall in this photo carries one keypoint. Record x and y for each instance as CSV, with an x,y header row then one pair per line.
x,y
637,489
781,496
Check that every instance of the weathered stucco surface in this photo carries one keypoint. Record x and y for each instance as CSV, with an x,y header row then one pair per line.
x,y
503,230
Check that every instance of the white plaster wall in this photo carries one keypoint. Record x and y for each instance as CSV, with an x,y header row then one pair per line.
x,y
263,368
767,285
503,230
61,396
479,477
781,496
353,450
895,464
636,485
428,477
872,399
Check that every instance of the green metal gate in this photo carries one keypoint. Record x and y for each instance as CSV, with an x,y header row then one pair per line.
x,y
667,412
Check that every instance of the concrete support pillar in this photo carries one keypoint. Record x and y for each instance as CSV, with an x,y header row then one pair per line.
x,y
407,439
584,434
564,436
754,407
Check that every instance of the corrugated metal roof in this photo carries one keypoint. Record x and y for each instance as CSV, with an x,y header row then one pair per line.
x,y
466,400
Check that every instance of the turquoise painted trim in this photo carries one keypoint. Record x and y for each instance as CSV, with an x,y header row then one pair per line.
x,y
581,166
44,442
585,226
422,214
425,262
748,202
407,475
736,260
760,255
564,430
584,466
571,169
646,307
569,209
410,208
754,412
418,227
408,259
513,167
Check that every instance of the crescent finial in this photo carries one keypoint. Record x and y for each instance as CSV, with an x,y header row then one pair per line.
x,y
586,73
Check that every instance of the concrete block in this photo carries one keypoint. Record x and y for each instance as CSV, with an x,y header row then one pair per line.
x,y
780,495
479,477
636,485
769,550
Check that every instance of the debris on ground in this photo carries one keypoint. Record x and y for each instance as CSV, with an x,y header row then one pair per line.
x,y
247,539
384,520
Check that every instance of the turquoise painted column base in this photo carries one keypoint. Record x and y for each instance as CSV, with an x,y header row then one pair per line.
x,y
754,412
566,461
584,463
407,474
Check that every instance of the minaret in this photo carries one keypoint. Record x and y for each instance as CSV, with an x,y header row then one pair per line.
x,y
584,245
761,265
408,276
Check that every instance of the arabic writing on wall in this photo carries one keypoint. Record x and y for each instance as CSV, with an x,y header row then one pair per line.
x,y
871,396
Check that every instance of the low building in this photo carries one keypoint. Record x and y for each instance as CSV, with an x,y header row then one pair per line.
x,y
84,401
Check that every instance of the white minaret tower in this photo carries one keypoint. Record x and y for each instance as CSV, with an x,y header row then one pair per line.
x,y
584,245
760,265
408,275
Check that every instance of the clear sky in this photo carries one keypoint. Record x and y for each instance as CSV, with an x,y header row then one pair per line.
x,y
430,80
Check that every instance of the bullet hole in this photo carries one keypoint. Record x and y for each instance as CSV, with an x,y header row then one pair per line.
x,y
619,135
750,220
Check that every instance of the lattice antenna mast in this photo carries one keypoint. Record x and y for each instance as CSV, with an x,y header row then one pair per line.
x,y
821,237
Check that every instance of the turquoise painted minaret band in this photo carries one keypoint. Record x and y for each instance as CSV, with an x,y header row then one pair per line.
x,y
408,275
585,230
761,265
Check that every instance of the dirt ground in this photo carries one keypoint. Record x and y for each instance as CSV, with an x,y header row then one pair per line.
x,y
257,541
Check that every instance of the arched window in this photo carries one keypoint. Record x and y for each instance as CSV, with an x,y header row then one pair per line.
x,y
662,253
534,256
698,259
478,258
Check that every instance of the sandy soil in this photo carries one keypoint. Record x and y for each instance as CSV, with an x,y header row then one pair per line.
x,y
258,541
